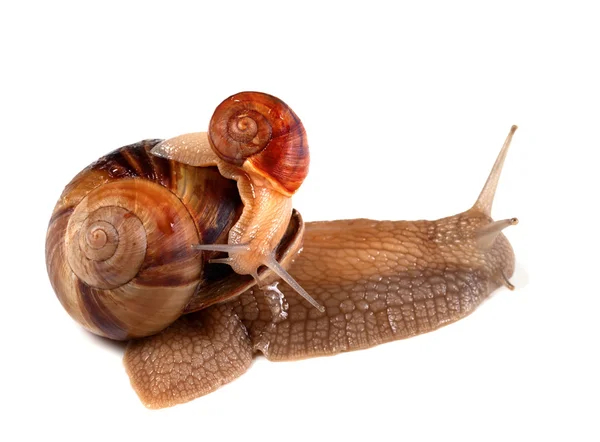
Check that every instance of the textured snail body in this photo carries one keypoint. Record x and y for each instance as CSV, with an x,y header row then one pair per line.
x,y
118,247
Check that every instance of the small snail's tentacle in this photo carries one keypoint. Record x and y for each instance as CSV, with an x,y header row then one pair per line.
x,y
283,274
219,351
258,231
228,248
216,289
235,250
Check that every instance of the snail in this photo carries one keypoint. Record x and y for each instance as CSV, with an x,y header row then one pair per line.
x,y
126,259
258,141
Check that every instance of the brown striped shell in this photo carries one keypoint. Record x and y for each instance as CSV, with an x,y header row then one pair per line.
x,y
118,244
261,134
118,247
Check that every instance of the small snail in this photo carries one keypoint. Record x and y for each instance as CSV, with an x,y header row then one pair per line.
x,y
258,141
120,258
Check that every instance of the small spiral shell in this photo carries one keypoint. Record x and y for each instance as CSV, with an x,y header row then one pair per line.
x,y
118,247
260,133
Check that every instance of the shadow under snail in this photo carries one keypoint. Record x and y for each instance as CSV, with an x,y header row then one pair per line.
x,y
137,243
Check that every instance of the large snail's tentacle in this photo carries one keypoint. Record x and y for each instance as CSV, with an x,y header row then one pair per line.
x,y
486,197
194,356
486,235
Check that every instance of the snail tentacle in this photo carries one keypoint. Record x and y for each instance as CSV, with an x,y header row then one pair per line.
x,y
283,274
237,251
227,248
486,235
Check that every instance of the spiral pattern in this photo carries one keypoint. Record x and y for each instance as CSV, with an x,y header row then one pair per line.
x,y
240,131
107,248
262,134
118,247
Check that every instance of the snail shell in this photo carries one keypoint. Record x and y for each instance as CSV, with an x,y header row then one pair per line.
x,y
118,244
261,134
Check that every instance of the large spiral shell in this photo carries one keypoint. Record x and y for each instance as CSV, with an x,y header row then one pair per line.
x,y
262,134
118,244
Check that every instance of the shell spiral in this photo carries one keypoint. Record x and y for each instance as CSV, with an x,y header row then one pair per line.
x,y
262,134
118,244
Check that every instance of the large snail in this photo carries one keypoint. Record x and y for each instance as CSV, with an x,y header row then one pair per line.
x,y
133,244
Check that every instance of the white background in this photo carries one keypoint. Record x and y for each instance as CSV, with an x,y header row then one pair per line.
x,y
406,108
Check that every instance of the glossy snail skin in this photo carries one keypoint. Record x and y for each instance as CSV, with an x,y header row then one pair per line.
x,y
379,281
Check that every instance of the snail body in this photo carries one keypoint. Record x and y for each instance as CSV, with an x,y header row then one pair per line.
x,y
379,281
133,251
